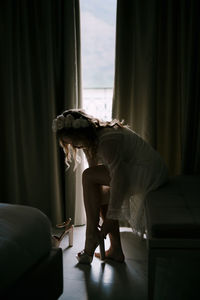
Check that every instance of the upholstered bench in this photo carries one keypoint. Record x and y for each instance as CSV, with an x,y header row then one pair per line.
x,y
30,267
173,223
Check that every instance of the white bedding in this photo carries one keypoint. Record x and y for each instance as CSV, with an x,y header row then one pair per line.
x,y
25,237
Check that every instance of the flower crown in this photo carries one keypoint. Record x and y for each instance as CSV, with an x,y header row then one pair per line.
x,y
68,122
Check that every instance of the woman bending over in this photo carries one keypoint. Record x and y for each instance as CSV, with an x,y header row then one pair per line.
x,y
123,168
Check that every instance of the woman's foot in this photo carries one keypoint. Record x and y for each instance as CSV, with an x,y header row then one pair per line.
x,y
111,227
86,256
113,254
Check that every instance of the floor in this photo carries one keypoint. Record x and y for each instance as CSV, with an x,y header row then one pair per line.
x,y
105,280
176,278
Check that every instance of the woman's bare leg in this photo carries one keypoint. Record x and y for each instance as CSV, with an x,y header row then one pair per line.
x,y
92,180
115,251
96,182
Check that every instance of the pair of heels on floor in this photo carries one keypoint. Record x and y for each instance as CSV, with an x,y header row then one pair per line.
x,y
68,229
84,258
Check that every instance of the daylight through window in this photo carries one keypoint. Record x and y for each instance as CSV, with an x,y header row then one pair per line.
x,y
98,20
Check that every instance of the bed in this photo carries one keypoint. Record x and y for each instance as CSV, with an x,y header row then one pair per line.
x,y
30,267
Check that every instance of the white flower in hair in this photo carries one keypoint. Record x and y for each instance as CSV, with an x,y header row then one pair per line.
x,y
83,123
60,122
76,123
80,123
69,120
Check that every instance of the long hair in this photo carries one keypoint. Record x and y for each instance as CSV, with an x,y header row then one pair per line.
x,y
88,133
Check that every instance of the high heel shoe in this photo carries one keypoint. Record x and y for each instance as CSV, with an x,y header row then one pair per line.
x,y
84,258
68,229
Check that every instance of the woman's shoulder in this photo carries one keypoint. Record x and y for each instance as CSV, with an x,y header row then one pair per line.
x,y
113,132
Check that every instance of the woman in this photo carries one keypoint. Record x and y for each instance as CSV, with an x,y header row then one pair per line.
x,y
122,169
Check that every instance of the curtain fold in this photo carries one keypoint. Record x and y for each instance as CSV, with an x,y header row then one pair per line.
x,y
40,77
190,75
156,86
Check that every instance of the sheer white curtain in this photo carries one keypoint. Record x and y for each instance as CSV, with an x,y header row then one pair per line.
x,y
80,217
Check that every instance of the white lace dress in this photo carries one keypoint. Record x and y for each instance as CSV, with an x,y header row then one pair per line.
x,y
135,169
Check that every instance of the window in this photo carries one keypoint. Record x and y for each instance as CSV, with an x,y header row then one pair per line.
x,y
98,20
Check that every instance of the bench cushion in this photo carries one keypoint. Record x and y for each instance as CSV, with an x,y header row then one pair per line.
x,y
173,211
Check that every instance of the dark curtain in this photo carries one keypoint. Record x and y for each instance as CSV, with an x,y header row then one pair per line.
x,y
157,77
40,77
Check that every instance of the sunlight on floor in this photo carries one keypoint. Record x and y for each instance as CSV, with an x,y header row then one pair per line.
x,y
105,279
